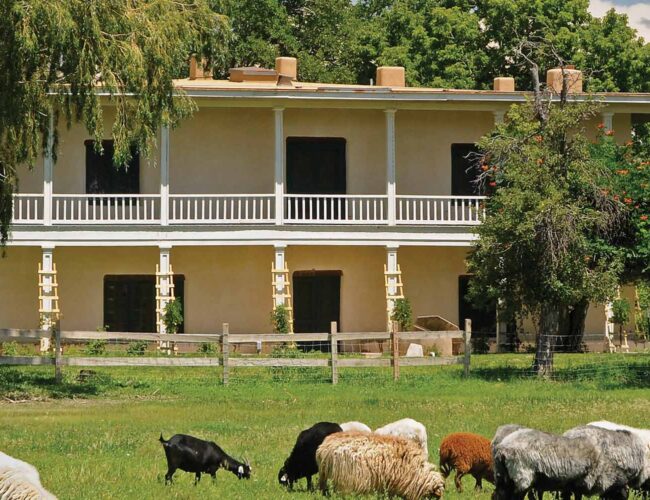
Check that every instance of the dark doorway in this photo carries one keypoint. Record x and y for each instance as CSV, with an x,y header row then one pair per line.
x,y
316,302
103,177
316,165
463,170
484,321
130,302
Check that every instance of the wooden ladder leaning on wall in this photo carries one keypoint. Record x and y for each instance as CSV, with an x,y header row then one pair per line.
x,y
161,301
392,279
280,278
48,316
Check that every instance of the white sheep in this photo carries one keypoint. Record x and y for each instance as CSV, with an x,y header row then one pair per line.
x,y
355,426
20,481
408,429
366,463
643,435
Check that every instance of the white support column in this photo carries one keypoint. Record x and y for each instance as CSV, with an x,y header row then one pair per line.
x,y
164,175
391,177
391,268
279,165
280,263
165,282
499,116
48,174
608,120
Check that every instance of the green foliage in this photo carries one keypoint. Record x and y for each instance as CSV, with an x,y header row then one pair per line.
x,y
96,347
54,54
547,239
620,312
137,348
10,349
173,316
403,314
207,348
280,319
480,342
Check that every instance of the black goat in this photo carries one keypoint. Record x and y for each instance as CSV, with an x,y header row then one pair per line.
x,y
191,454
302,460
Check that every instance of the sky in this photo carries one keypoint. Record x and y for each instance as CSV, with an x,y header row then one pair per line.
x,y
638,12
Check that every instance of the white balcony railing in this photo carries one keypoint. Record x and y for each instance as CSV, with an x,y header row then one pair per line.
x,y
437,210
221,209
28,208
188,209
337,209
105,209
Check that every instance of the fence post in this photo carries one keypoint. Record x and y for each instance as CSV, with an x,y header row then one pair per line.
x,y
225,351
58,358
334,352
394,339
467,337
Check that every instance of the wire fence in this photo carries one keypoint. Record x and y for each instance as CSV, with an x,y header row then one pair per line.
x,y
379,357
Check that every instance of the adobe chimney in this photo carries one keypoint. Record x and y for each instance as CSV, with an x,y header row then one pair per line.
x,y
391,76
504,84
198,70
574,79
287,66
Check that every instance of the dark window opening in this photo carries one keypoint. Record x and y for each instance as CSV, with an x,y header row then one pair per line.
x,y
463,170
103,177
484,321
316,165
130,302
317,302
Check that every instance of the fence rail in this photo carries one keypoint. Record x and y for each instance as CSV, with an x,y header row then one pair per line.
x,y
105,209
335,342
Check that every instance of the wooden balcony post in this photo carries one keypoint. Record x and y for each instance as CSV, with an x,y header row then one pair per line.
x,y
164,175
608,120
279,165
391,190
48,174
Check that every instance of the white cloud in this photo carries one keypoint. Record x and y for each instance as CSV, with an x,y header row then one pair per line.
x,y
638,13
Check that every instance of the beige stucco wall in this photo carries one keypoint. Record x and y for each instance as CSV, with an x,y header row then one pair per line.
x,y
423,142
19,287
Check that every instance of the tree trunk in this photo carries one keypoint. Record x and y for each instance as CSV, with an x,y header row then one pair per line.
x,y
549,322
572,327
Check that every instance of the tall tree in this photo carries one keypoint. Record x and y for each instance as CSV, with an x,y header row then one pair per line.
x,y
64,58
544,246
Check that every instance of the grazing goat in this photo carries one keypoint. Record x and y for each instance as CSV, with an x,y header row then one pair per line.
x,y
302,459
362,463
619,463
20,480
408,429
528,460
644,436
467,454
191,454
355,426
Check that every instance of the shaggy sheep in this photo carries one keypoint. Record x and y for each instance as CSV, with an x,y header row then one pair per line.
x,y
467,454
408,429
620,462
355,426
529,460
20,480
644,436
302,460
363,463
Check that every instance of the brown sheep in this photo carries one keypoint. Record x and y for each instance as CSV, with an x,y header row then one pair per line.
x,y
468,454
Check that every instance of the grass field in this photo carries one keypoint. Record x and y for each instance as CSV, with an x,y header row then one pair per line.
x,y
99,439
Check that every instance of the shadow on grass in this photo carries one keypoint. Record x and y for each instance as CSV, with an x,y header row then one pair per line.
x,y
20,384
617,374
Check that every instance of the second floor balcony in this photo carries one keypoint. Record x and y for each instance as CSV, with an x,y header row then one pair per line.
x,y
245,209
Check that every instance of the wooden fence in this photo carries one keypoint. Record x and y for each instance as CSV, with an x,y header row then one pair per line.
x,y
227,342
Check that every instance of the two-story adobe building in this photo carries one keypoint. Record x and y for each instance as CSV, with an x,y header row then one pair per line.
x,y
340,184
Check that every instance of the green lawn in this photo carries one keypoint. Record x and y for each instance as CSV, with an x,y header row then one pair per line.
x,y
99,439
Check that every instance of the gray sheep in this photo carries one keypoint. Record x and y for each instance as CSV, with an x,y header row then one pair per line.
x,y
528,460
619,463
